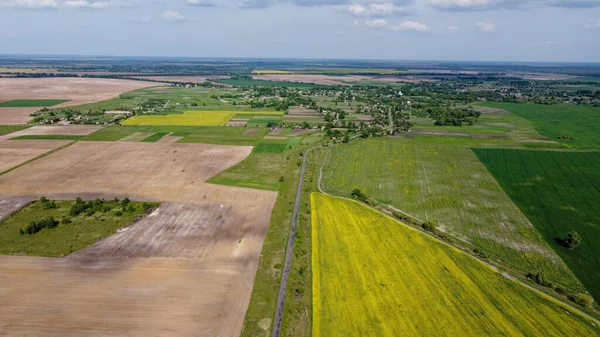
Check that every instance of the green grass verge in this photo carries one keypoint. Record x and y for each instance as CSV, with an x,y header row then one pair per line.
x,y
559,192
155,137
451,187
556,121
31,103
6,129
65,238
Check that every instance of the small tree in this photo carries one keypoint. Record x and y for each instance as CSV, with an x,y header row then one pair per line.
x,y
429,226
358,195
572,240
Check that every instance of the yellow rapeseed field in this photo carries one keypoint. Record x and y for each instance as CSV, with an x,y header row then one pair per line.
x,y
373,276
192,118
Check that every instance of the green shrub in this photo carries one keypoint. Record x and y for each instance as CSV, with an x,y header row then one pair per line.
x,y
540,279
572,240
36,226
358,195
90,212
65,220
429,226
118,213
584,300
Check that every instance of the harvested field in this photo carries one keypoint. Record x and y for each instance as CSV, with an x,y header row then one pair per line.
x,y
47,130
16,116
486,110
318,79
187,267
169,139
276,131
276,137
231,123
136,137
250,132
490,136
191,79
302,111
299,132
16,152
533,140
77,90
364,117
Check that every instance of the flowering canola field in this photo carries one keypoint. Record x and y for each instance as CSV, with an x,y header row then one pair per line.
x,y
373,276
194,118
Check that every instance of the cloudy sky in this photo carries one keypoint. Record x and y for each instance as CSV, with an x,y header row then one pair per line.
x,y
490,30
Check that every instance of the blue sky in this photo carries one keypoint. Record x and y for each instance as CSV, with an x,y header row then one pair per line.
x,y
487,30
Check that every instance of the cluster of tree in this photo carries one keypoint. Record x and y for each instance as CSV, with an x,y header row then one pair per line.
x,y
99,205
454,116
571,241
47,204
36,226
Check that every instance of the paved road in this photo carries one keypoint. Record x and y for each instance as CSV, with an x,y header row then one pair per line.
x,y
288,253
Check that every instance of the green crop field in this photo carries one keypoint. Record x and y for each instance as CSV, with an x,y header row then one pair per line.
x,y
66,238
271,147
451,187
6,129
555,121
155,137
559,192
191,134
373,276
26,103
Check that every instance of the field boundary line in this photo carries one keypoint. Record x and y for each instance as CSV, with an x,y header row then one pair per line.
x,y
277,321
38,157
489,265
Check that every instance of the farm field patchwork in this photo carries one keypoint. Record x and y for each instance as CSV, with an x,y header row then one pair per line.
x,y
26,103
196,255
559,192
193,118
561,120
6,129
452,188
373,276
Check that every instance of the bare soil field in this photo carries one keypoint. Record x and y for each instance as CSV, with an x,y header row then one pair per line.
x,y
307,78
45,130
184,270
364,117
276,132
230,123
302,111
191,79
299,132
439,133
16,152
169,139
76,90
16,116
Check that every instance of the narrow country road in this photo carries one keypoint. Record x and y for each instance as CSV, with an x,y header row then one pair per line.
x,y
289,253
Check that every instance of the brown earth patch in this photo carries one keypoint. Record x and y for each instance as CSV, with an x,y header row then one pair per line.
x,y
16,116
250,132
299,132
77,90
56,130
364,117
169,139
439,133
486,110
488,136
533,140
9,206
276,137
276,131
232,123
302,117
16,152
301,111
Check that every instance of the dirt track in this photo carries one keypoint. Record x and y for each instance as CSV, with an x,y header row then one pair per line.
x,y
185,270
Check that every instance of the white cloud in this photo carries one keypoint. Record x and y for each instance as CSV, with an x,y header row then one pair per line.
x,y
201,3
375,9
31,4
411,26
486,27
88,4
595,25
376,23
172,16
